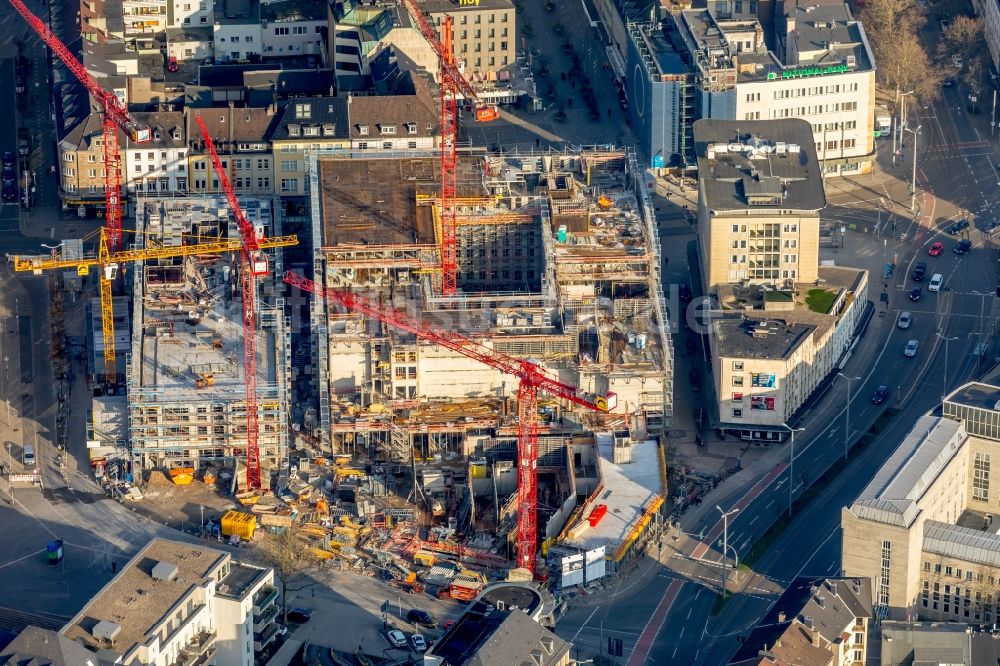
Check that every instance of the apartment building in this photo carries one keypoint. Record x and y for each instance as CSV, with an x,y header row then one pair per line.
x,y
81,167
484,34
190,43
780,322
293,28
242,139
177,602
924,530
190,13
160,165
144,20
358,31
237,33
305,126
815,622
395,122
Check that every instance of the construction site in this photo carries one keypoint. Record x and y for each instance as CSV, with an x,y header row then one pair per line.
x,y
558,263
185,375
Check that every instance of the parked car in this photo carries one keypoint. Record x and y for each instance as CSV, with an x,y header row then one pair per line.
x,y
420,617
172,65
396,638
8,159
936,249
936,281
911,349
880,395
919,271
9,189
684,293
299,615
20,74
24,147
418,643
957,227
956,60
905,318
694,377
989,226
915,294
963,246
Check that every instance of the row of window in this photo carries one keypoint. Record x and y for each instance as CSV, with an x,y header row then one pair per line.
x,y
766,230
829,89
464,19
477,34
959,601
768,245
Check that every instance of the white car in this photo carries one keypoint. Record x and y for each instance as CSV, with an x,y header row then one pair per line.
x,y
396,638
905,319
911,349
418,643
935,284
956,60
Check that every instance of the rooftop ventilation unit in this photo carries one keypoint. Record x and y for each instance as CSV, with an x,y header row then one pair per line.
x,y
165,571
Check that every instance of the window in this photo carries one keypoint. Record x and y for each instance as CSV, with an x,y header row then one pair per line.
x,y
69,171
411,144
738,413
981,477
882,590
289,184
388,129
737,397
387,145
738,380
69,157
289,165
263,163
362,145
263,183
303,111
738,366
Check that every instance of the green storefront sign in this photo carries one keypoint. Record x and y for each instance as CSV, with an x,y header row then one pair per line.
x,y
809,71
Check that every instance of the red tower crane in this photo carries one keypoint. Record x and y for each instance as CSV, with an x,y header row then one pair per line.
x,y
253,265
116,117
532,380
453,84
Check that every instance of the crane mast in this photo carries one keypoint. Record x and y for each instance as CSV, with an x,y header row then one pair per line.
x,y
252,266
453,84
532,378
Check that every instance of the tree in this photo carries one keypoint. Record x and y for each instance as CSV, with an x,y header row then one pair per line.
x,y
292,559
889,22
908,67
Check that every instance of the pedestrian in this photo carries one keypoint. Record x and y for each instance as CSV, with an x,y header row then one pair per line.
x,y
114,566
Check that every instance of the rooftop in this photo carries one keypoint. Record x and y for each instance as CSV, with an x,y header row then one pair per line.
x,y
241,579
389,116
288,11
962,543
237,12
924,643
763,338
826,605
498,638
137,602
977,396
43,647
328,116
628,491
512,596
892,495
666,57
437,6
373,200
827,34
189,34
758,165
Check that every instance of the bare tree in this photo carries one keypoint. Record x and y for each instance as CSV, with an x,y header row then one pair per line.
x,y
908,67
292,559
888,22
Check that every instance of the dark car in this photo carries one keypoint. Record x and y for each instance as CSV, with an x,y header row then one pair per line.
x,y
963,246
694,377
919,271
420,617
957,227
989,226
299,615
20,74
684,293
8,160
915,294
880,395
8,192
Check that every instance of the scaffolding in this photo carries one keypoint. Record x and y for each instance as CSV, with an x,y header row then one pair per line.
x,y
184,379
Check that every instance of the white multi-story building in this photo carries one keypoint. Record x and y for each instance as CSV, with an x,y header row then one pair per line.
x,y
237,32
159,165
175,603
293,27
823,72
143,20
190,13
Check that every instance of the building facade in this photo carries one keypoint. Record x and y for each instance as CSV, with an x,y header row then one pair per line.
x,y
484,36
241,138
174,603
923,530
158,166
307,125
293,28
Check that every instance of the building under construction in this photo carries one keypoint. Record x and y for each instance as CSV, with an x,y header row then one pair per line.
x,y
558,262
186,378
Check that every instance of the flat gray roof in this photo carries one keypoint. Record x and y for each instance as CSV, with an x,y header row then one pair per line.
x,y
964,543
975,394
736,339
764,165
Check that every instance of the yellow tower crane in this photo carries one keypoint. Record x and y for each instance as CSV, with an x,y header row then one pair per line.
x,y
107,263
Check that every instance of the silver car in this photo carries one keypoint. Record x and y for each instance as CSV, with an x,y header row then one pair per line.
x,y
905,318
911,349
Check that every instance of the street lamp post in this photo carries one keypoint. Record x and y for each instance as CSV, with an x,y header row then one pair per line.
x,y
847,426
791,464
944,379
10,470
725,544
897,141
913,178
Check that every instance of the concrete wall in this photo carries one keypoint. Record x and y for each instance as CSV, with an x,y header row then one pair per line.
x,y
239,39
292,38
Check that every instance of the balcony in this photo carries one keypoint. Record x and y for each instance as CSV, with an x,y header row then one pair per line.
x,y
261,641
264,598
261,620
199,651
202,642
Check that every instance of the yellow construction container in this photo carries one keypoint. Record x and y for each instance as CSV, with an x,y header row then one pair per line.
x,y
424,558
238,523
349,472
